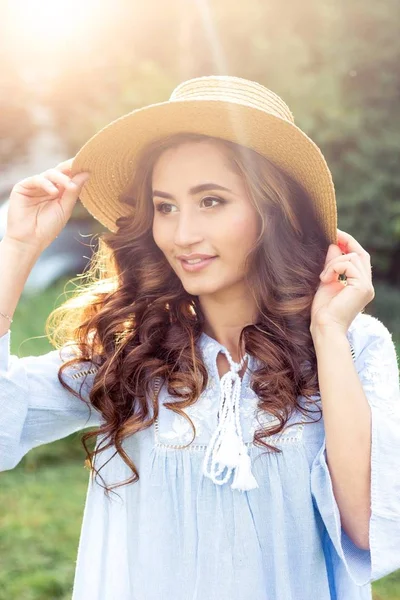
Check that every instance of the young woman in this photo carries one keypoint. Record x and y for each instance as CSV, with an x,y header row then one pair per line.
x,y
246,409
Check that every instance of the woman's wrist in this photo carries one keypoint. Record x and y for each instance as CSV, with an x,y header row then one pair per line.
x,y
6,317
16,263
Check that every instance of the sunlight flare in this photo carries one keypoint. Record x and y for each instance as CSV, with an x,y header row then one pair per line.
x,y
49,21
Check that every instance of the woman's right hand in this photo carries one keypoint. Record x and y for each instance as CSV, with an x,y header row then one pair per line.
x,y
41,205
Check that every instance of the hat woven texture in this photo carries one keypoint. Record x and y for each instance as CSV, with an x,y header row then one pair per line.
x,y
226,107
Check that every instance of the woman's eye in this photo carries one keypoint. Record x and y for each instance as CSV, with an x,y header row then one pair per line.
x,y
209,202
210,199
165,208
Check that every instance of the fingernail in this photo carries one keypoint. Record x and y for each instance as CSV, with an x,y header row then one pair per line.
x,y
84,178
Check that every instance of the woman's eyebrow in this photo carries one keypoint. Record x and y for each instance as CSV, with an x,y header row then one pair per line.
x,y
203,187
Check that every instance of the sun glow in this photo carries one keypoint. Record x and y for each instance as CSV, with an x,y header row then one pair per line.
x,y
46,28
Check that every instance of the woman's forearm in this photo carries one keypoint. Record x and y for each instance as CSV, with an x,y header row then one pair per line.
x,y
16,262
347,419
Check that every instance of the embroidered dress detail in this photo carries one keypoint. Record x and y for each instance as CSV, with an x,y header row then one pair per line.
x,y
226,448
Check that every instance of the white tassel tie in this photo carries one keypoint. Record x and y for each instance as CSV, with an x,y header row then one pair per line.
x,y
226,448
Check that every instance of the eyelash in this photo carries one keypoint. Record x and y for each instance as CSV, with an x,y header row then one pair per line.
x,y
160,206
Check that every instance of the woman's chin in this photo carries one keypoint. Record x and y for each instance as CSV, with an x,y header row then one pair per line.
x,y
203,288
197,291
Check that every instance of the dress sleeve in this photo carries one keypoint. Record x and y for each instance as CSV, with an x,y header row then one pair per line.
x,y
377,365
35,408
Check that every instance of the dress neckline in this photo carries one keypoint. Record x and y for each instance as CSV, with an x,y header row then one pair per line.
x,y
226,450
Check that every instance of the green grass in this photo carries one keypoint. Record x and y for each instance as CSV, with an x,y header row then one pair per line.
x,y
387,588
27,331
39,531
42,499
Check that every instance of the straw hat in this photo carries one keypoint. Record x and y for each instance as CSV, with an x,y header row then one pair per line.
x,y
225,107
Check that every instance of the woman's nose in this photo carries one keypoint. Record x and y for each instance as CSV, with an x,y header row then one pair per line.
x,y
188,230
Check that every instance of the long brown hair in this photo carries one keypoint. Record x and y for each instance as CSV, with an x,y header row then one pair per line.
x,y
133,314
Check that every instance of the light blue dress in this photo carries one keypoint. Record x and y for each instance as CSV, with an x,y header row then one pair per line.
x,y
178,534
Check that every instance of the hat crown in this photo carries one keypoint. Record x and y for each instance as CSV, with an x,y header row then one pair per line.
x,y
226,88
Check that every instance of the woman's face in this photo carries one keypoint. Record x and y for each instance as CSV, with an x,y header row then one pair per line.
x,y
204,221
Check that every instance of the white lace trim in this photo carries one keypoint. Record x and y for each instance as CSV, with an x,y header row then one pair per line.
x,y
379,373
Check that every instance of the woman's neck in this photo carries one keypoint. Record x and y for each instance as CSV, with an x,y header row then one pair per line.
x,y
225,319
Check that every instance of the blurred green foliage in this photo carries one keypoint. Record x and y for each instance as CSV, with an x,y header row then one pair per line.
x,y
386,307
334,63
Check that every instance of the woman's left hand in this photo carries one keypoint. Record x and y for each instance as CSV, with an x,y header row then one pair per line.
x,y
336,304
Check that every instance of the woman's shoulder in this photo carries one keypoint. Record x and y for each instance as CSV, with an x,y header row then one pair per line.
x,y
81,371
374,349
366,328
368,324
80,366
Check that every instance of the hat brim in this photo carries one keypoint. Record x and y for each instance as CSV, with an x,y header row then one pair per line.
x,y
111,154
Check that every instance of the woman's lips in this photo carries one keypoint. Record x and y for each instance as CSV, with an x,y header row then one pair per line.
x,y
193,267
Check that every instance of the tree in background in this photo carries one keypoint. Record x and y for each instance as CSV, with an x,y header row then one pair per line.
x,y
334,63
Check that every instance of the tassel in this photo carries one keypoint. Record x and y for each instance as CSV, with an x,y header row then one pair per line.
x,y
244,479
229,451
226,448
